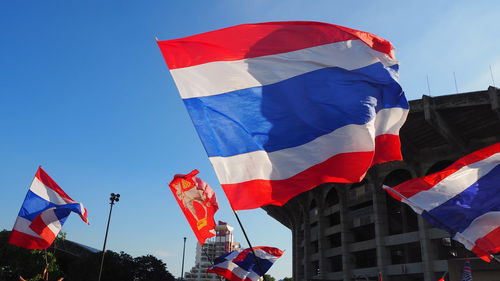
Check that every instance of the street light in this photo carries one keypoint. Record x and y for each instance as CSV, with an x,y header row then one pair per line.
x,y
113,198
183,253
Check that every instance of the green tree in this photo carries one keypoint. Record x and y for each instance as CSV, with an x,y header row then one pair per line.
x,y
288,279
149,268
268,277
30,264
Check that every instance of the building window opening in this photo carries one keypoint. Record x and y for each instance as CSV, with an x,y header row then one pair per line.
x,y
315,268
363,233
314,247
332,198
406,253
335,240
313,209
335,263
365,259
334,219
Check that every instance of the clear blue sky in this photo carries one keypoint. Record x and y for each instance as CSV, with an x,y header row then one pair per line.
x,y
85,93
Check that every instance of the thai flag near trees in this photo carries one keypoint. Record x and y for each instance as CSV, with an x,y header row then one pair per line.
x,y
462,199
282,107
43,213
241,265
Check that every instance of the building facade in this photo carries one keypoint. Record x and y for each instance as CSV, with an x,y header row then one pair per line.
x,y
356,231
222,243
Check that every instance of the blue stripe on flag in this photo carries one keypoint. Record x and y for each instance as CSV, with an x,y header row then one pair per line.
x,y
33,205
249,264
476,200
294,111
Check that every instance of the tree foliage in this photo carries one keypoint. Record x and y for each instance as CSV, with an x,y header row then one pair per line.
x,y
30,264
268,277
16,261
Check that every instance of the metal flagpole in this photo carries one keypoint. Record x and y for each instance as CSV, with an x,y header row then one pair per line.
x,y
183,254
114,198
248,241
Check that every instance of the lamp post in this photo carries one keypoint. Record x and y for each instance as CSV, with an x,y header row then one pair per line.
x,y
113,198
183,253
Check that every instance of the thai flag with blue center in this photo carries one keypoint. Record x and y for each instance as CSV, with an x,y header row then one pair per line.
x,y
241,265
43,213
462,199
282,107
467,271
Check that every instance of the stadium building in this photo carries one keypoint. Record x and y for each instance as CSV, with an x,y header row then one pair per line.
x,y
356,231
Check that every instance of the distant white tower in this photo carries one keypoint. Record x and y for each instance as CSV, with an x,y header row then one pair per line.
x,y
222,243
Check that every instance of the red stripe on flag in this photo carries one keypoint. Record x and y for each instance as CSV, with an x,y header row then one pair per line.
x,y
39,226
387,148
341,168
228,44
27,241
489,244
49,182
414,186
226,273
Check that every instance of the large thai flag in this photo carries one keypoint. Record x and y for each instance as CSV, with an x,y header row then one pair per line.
x,y
282,107
43,213
462,199
241,265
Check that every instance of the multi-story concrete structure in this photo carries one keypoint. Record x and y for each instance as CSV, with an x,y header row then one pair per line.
x,y
354,231
222,243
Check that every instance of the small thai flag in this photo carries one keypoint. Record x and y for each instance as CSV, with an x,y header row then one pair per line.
x,y
467,272
241,265
43,213
462,199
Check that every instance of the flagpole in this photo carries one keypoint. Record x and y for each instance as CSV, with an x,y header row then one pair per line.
x,y
248,241
114,198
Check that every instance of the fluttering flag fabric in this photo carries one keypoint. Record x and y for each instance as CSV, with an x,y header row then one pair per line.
x,y
241,265
282,107
43,213
467,271
198,203
462,199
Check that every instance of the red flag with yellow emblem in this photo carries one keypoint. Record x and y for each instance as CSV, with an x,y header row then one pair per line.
x,y
198,203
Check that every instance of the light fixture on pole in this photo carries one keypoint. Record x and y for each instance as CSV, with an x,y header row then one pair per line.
x,y
113,198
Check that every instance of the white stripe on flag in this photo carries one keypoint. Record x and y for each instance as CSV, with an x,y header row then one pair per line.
x,y
219,77
479,228
455,183
23,225
262,165
47,193
52,221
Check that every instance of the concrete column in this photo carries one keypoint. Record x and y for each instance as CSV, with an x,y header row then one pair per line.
x,y
346,234
428,252
322,243
381,228
307,240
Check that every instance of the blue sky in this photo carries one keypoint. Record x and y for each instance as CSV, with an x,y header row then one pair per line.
x,y
85,93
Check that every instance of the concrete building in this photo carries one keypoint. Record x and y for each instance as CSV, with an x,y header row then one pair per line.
x,y
222,243
354,231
